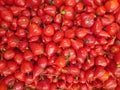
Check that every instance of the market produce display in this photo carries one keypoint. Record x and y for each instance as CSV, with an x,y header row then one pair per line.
x,y
59,44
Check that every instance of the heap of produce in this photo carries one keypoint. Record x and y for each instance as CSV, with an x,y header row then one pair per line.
x,y
59,44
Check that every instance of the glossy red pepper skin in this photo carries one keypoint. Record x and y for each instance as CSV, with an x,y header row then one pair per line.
x,y
59,44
